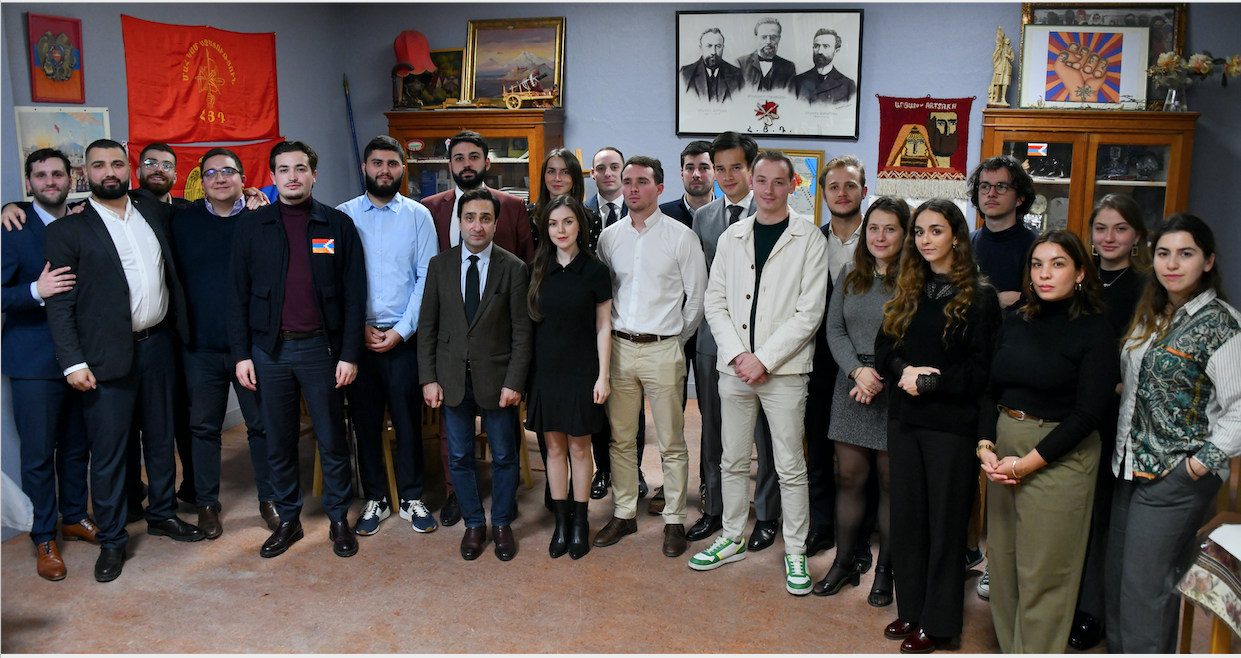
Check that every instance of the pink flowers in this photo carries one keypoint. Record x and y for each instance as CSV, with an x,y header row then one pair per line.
x,y
1200,64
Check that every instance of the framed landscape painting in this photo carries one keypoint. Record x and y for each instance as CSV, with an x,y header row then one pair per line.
x,y
68,129
501,54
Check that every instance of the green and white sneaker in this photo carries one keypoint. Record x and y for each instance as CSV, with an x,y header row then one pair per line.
x,y
719,553
797,578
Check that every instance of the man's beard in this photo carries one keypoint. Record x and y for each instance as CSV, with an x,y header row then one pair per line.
x,y
467,184
821,61
106,193
380,190
703,190
51,202
767,52
158,189
712,62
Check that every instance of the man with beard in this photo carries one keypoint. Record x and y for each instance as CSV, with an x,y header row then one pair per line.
x,y
46,410
711,77
824,83
157,174
398,237
114,336
698,179
763,69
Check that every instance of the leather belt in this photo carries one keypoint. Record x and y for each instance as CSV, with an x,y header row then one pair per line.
x,y
383,327
299,335
641,338
1021,415
140,336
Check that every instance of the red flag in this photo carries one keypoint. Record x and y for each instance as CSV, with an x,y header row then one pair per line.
x,y
199,84
254,162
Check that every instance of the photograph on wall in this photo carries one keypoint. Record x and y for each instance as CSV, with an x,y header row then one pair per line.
x,y
67,129
804,197
1166,22
55,47
769,73
1083,67
505,56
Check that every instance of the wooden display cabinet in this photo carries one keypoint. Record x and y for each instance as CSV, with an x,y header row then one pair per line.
x,y
518,139
1078,156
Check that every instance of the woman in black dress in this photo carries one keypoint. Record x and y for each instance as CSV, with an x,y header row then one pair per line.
x,y
570,301
562,174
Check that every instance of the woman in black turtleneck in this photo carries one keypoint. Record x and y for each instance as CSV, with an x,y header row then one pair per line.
x,y
935,349
1053,377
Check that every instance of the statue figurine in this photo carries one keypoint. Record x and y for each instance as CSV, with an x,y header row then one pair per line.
x,y
1002,63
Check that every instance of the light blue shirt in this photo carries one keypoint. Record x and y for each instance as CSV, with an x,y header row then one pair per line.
x,y
399,240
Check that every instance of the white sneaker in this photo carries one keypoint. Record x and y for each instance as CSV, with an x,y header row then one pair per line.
x,y
374,512
720,552
418,516
984,584
796,577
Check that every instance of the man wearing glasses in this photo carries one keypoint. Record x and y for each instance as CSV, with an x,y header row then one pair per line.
x,y
157,174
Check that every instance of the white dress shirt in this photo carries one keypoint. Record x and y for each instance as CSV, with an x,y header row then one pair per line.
x,y
744,204
619,202
840,252
46,219
659,276
484,264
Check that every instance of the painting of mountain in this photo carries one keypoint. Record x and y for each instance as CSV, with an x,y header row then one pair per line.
x,y
505,52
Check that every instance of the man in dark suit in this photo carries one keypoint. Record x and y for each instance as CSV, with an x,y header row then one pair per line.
x,y
711,77
763,69
157,174
296,319
114,336
824,83
474,348
46,410
698,179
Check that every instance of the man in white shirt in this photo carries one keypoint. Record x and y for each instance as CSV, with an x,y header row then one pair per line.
x,y
843,186
658,278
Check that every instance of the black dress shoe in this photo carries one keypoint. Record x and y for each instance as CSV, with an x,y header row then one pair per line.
x,y
836,579
271,517
176,529
764,535
1086,632
642,488
109,564
473,541
280,540
820,540
344,542
705,527
450,513
506,543
599,486
863,558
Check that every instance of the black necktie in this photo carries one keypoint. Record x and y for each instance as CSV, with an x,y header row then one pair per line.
x,y
735,212
611,214
471,290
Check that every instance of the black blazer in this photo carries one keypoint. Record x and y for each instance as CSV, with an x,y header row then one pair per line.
x,y
91,324
677,210
28,351
260,264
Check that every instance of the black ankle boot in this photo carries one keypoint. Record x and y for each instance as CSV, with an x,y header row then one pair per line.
x,y
579,541
560,536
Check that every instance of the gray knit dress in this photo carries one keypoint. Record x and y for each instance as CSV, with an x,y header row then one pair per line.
x,y
853,321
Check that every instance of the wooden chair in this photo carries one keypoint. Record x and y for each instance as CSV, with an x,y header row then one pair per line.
x,y
1221,634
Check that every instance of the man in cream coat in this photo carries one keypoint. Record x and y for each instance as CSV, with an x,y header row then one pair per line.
x,y
764,304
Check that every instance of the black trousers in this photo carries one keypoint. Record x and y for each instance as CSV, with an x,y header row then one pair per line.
x,y
389,380
1090,597
934,475
821,452
135,491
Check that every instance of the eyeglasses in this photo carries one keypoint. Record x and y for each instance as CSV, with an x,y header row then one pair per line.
x,y
1000,188
156,164
222,171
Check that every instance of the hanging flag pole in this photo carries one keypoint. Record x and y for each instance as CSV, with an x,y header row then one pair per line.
x,y
354,133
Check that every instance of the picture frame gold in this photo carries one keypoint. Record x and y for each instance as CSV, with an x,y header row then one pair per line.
x,y
500,53
806,166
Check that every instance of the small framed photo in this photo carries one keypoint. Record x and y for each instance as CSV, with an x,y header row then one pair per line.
x,y
67,129
1080,66
55,47
519,52
804,194
1166,21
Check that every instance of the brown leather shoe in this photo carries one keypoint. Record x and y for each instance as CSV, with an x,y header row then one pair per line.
x,y
209,521
271,517
899,629
473,541
50,566
920,642
674,540
84,530
506,543
656,506
614,530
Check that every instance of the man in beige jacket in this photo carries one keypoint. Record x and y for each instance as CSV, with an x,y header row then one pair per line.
x,y
764,303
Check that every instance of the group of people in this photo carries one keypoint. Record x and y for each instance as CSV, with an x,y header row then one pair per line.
x,y
920,359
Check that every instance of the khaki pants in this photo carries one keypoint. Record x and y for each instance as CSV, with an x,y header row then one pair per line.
x,y
658,369
783,399
1037,540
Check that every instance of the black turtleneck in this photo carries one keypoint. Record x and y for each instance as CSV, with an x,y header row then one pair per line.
x,y
1054,368
1122,289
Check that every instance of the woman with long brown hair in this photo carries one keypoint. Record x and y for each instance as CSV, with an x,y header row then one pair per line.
x,y
570,301
562,175
935,349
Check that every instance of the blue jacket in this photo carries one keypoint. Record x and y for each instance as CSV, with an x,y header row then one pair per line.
x,y
27,352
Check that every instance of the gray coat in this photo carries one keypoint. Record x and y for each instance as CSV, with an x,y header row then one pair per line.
x,y
710,221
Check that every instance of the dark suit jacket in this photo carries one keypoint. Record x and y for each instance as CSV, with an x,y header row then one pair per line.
x,y
92,322
593,204
496,347
833,88
782,73
677,210
178,203
512,226
694,77
27,349
260,265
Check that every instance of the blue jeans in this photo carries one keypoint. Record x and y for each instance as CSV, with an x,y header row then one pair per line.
x,y
207,378
300,368
48,415
501,428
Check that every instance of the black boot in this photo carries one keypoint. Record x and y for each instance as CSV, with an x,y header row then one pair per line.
x,y
560,536
579,542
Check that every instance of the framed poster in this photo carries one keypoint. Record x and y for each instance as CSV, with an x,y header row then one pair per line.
x,y
1079,67
804,194
502,54
769,73
55,47
68,129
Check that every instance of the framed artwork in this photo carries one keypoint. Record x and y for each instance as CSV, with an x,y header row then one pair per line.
x,y
1078,67
520,52
804,194
769,73
68,129
55,47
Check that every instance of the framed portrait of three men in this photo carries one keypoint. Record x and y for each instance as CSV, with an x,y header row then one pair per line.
x,y
769,73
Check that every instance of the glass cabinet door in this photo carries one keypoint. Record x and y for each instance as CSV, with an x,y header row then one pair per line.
x,y
428,171
1050,164
1138,170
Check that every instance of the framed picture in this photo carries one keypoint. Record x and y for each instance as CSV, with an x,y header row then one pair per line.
x,y
1083,67
68,129
769,73
446,81
804,194
55,47
521,52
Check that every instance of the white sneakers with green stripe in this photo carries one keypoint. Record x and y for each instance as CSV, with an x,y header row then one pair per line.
x,y
720,552
796,576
